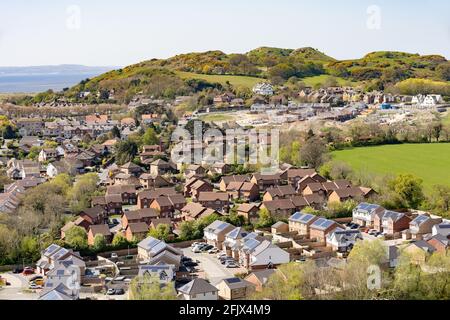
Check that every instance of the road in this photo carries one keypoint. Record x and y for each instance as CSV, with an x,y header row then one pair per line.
x,y
16,290
214,271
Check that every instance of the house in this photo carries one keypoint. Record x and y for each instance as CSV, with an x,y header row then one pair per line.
x,y
160,167
127,192
146,197
279,192
168,205
150,248
218,201
439,243
163,272
233,178
193,211
99,229
264,89
265,181
442,229
262,254
260,278
79,222
136,231
392,222
233,242
149,181
249,211
320,228
422,225
56,168
419,251
301,222
343,240
54,254
195,170
364,214
113,204
294,176
235,289
353,193
246,191
279,227
47,154
131,169
198,289
282,208
94,215
198,187
214,234
141,215
57,293
220,169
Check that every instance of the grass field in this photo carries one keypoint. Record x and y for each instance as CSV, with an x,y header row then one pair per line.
x,y
217,117
248,82
312,81
431,162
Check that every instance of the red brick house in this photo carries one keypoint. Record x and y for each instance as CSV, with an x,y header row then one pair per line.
x,y
100,229
218,201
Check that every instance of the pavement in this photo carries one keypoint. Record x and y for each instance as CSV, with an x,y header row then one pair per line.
x,y
16,291
213,270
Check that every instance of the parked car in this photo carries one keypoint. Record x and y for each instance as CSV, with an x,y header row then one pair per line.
x,y
213,250
207,248
183,259
18,270
114,256
111,292
120,292
231,264
228,259
190,264
195,244
37,277
34,286
221,254
28,271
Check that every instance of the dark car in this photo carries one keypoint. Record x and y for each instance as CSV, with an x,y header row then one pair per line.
x,y
186,259
17,270
206,248
120,292
190,264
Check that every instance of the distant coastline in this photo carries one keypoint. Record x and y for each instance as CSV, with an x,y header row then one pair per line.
x,y
43,78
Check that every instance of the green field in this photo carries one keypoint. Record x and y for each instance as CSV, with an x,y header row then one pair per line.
x,y
217,117
243,81
431,162
312,81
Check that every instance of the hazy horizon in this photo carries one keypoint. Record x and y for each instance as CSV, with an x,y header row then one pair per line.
x,y
105,33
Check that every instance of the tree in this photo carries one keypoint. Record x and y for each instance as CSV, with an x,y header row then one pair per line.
x,y
99,243
115,132
76,238
409,190
81,194
265,218
119,241
161,232
149,288
29,248
150,137
440,199
125,151
285,284
9,132
314,152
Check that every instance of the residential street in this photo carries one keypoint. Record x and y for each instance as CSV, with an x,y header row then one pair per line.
x,y
15,290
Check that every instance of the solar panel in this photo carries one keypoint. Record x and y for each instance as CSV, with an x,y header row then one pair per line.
x,y
234,280
306,217
60,253
60,272
296,216
222,226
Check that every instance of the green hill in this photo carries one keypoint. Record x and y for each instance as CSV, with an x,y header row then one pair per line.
x,y
189,73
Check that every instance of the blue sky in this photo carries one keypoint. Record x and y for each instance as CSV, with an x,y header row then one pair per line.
x,y
118,33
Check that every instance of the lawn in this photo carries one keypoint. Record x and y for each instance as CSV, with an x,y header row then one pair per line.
x,y
431,162
217,117
312,81
243,81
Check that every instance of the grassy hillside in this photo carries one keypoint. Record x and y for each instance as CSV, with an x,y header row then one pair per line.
x,y
430,162
236,81
174,76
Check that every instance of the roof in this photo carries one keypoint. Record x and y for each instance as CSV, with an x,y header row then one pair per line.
x,y
420,219
281,191
294,173
213,196
247,207
197,286
302,217
263,275
153,194
237,178
395,216
279,224
322,224
281,204
236,283
139,227
102,229
93,212
237,233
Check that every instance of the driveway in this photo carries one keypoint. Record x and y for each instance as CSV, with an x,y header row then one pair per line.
x,y
16,290
214,271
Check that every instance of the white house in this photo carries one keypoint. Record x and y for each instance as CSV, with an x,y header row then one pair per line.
x,y
432,100
165,273
214,234
364,214
265,89
233,242
343,240
261,254
442,229
151,248
199,289
54,255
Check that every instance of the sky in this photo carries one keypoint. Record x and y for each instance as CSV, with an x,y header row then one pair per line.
x,y
119,33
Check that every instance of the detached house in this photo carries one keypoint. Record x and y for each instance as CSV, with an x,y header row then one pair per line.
x,y
218,201
279,192
364,214
235,289
146,197
249,211
100,229
198,289
149,181
265,181
47,154
343,240
215,233
136,231
262,254
422,225
234,178
168,205
198,187
321,227
127,192
246,191
392,222
301,222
